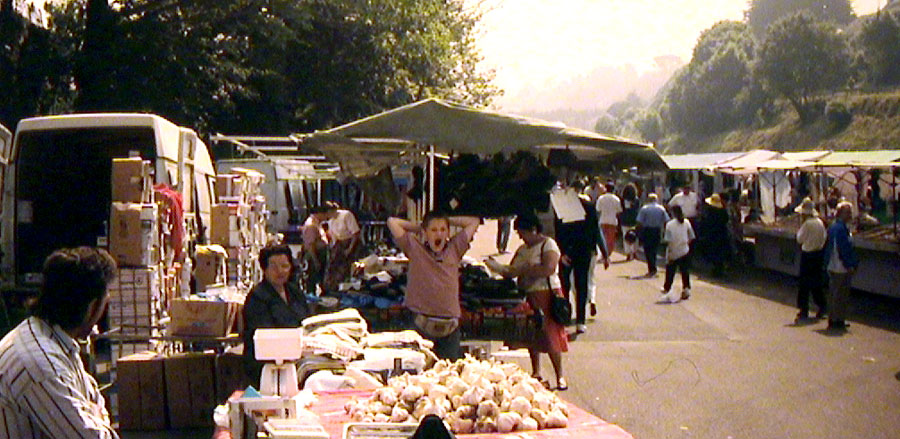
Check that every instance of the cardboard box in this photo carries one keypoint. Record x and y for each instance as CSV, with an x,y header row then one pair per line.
x,y
202,317
133,235
190,389
142,392
226,223
131,180
230,187
210,266
230,375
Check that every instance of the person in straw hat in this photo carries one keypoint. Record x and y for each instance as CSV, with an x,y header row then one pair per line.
x,y
811,236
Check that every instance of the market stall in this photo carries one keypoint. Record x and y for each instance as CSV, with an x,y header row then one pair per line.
x,y
380,385
826,177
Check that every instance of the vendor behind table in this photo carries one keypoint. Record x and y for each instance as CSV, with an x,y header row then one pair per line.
x,y
272,303
433,280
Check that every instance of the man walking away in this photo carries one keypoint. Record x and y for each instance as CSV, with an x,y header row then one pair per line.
x,y
811,237
650,222
679,234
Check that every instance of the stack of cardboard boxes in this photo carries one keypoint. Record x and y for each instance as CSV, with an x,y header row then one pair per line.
x,y
239,224
137,304
177,391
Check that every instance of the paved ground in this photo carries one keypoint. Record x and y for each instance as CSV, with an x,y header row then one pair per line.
x,y
728,363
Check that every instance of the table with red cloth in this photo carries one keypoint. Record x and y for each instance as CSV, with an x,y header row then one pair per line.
x,y
582,425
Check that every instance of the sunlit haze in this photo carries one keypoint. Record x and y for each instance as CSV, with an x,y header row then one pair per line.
x,y
536,45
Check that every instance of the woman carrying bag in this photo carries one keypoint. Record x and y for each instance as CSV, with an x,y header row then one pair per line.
x,y
535,267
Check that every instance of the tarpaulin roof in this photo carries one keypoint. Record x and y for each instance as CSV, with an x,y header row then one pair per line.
x,y
698,161
748,160
806,156
840,158
366,145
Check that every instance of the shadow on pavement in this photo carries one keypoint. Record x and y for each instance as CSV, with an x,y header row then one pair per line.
x,y
874,310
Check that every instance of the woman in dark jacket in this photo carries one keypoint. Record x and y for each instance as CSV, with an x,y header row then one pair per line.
x,y
273,303
715,234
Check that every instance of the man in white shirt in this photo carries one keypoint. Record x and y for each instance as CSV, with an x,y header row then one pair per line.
x,y
45,391
688,200
812,237
609,206
679,234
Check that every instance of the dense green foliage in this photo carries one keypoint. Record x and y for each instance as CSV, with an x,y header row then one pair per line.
x,y
879,46
711,93
764,13
801,57
242,66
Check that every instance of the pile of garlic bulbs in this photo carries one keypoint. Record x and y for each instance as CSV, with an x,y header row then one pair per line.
x,y
471,396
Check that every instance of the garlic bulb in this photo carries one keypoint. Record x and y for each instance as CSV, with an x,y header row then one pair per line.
x,y
399,414
508,421
488,408
520,405
438,391
528,423
412,393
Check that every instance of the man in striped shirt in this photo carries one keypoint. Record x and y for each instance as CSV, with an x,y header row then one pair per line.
x,y
45,391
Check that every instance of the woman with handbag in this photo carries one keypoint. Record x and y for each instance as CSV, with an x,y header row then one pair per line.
x,y
535,267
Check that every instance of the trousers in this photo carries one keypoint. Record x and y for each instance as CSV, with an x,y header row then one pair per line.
x,y
580,268
811,280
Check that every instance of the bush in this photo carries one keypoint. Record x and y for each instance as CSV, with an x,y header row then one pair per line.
x,y
838,116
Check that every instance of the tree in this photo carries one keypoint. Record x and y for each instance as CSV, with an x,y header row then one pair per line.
x,y
706,96
607,124
879,45
33,75
266,66
764,13
801,57
648,123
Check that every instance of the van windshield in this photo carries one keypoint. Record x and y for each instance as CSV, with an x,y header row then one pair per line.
x,y
63,188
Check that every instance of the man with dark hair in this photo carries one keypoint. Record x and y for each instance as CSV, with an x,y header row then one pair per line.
x,y
432,291
275,302
45,391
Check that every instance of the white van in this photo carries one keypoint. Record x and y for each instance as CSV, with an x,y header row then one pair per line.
x,y
56,182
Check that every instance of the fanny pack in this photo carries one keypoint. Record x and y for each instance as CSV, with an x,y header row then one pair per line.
x,y
436,327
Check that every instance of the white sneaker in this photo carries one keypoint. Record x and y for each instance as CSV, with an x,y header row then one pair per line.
x,y
581,329
686,294
671,297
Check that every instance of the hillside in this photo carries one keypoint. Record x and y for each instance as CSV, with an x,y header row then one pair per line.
x,y
875,125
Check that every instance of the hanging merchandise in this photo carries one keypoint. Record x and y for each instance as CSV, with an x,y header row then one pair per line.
x,y
494,187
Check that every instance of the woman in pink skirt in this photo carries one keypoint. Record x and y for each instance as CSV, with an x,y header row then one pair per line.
x,y
534,266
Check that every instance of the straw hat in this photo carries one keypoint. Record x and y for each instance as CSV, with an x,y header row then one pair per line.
x,y
807,207
715,200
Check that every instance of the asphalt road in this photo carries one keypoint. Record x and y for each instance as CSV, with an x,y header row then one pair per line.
x,y
729,363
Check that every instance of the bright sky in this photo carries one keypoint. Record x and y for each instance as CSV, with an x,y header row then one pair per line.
x,y
539,42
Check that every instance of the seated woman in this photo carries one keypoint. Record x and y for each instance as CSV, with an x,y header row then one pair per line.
x,y
273,303
534,266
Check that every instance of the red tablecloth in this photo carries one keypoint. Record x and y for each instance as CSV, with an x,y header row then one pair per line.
x,y
582,425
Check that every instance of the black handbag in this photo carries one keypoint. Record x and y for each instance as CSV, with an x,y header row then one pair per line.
x,y
560,310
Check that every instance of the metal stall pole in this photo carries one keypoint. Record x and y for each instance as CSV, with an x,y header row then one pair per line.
x,y
431,177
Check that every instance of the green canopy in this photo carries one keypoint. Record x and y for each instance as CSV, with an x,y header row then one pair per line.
x,y
365,146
